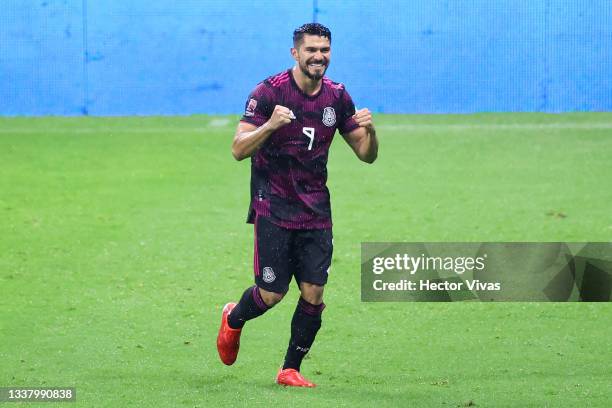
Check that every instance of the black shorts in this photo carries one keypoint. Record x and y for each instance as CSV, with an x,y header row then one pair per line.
x,y
281,253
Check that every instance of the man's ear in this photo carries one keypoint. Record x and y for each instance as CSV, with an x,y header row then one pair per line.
x,y
294,53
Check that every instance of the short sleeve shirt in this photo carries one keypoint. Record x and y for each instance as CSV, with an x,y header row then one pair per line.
x,y
289,170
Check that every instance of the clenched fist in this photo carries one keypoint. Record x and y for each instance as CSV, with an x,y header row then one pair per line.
x,y
363,117
280,117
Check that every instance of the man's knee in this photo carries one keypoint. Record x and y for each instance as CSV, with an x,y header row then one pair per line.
x,y
312,293
270,298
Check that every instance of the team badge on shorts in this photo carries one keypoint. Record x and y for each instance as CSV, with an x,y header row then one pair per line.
x,y
329,116
268,275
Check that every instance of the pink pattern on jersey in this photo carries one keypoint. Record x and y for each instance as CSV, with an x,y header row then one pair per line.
x,y
331,83
279,79
289,171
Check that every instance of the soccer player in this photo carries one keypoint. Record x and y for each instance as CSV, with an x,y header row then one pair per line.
x,y
287,128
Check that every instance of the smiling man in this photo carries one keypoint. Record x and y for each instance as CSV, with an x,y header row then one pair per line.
x,y
287,128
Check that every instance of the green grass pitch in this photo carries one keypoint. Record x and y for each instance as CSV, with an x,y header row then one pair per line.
x,y
122,238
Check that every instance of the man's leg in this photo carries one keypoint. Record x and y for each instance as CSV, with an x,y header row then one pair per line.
x,y
254,302
305,324
312,251
272,276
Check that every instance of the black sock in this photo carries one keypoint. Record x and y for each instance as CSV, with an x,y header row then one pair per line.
x,y
305,324
250,306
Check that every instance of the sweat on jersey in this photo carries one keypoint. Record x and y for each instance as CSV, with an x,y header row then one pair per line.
x,y
289,170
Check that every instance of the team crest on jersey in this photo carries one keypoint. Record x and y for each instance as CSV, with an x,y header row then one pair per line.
x,y
250,110
329,116
268,275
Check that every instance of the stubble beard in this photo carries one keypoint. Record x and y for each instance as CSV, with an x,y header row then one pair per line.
x,y
314,77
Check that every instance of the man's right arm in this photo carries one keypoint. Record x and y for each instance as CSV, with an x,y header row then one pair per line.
x,y
249,138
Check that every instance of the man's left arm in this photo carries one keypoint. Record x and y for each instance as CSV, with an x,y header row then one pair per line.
x,y
363,139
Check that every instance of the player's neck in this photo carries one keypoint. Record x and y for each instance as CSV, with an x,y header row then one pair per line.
x,y
307,85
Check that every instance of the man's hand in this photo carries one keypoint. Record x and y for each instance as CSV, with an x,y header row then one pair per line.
x,y
363,139
248,137
280,117
363,117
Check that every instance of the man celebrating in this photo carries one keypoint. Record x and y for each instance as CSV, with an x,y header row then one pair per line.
x,y
287,129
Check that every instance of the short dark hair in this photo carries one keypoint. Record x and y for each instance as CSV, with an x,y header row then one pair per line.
x,y
312,29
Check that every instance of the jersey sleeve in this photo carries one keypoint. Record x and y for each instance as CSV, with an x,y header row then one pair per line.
x,y
259,105
346,122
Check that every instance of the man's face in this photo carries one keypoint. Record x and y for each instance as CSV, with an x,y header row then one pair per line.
x,y
313,55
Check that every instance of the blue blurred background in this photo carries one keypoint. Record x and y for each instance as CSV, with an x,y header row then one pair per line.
x,y
75,57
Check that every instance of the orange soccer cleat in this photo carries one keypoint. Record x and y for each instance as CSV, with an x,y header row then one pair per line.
x,y
292,378
228,339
